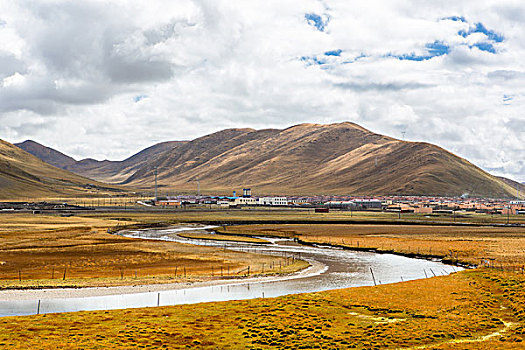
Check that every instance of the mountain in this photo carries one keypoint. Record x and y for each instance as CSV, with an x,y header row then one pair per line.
x,y
105,171
24,176
515,185
48,155
120,171
342,158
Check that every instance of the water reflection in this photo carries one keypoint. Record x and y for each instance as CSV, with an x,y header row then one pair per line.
x,y
334,268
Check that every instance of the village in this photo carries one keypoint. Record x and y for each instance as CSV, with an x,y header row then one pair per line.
x,y
401,204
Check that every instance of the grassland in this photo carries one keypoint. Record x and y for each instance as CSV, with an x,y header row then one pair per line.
x,y
254,215
52,251
493,246
482,309
474,309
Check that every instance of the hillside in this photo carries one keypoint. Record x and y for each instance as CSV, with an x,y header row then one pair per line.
x,y
47,154
515,185
120,171
341,158
314,159
106,170
24,176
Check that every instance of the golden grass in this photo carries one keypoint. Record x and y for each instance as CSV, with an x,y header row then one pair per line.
x,y
279,214
500,246
481,309
37,250
473,309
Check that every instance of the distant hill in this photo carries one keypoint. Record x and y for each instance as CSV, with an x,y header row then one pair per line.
x,y
48,155
105,171
342,158
514,184
120,171
24,176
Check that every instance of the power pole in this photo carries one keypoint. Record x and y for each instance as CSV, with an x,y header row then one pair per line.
x,y
155,172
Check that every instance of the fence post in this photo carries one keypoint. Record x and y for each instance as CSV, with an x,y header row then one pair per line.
x,y
373,277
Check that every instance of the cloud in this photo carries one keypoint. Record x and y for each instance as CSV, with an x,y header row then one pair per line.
x,y
78,75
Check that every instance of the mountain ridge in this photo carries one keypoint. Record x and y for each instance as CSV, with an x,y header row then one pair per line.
x,y
23,176
339,158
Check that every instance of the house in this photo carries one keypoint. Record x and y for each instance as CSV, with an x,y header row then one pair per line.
x,y
244,201
273,201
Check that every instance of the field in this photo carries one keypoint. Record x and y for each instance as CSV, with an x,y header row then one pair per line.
x,y
53,251
474,309
491,246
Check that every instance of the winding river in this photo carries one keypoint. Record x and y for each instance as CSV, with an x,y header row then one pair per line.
x,y
331,268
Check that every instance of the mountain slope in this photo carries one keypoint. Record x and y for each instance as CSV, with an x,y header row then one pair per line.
x,y
106,170
341,158
120,171
313,159
514,184
48,155
23,176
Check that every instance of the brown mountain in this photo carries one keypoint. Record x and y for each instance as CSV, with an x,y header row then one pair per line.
x,y
339,158
106,170
120,171
48,155
313,159
24,176
514,184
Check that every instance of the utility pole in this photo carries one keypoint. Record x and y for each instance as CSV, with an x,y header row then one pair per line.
x,y
155,172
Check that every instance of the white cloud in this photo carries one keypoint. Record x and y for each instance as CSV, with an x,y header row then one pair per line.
x,y
103,80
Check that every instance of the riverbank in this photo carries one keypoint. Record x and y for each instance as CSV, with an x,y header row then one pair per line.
x,y
481,309
497,247
45,251
313,268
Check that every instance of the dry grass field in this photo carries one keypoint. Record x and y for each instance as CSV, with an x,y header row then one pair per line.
x,y
38,250
474,309
497,246
480,309
262,215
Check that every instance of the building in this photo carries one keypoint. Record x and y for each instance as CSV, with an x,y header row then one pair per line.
x,y
244,201
168,203
273,201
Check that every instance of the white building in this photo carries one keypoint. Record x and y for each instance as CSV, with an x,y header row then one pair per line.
x,y
273,201
245,201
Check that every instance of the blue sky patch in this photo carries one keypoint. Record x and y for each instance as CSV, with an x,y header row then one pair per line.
x,y
316,21
435,49
139,98
488,47
457,18
480,28
311,60
333,53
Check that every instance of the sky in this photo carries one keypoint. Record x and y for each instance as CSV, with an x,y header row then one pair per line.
x,y
105,79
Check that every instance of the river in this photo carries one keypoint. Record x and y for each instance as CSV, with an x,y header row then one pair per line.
x,y
331,268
